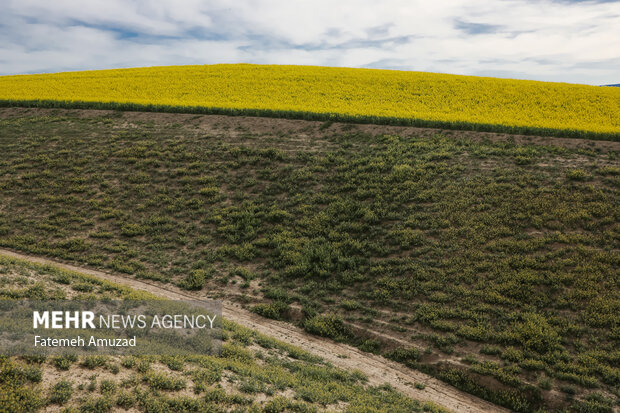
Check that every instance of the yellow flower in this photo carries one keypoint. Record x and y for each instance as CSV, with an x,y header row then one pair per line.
x,y
388,96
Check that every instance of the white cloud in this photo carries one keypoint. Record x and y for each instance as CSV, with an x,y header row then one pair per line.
x,y
546,40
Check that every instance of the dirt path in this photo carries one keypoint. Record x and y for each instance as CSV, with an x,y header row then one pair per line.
x,y
378,369
307,132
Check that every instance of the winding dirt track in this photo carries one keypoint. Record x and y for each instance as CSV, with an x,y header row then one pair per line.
x,y
378,369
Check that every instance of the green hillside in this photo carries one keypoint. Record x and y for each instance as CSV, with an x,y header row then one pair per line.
x,y
490,264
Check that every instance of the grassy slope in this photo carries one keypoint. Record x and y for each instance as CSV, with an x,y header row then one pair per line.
x,y
362,95
254,374
502,257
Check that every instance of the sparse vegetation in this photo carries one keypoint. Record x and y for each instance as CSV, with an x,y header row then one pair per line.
x,y
286,378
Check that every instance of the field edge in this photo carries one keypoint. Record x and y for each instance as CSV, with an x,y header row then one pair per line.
x,y
312,116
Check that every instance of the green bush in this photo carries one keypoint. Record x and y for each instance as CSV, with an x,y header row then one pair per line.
x,y
328,325
162,381
97,405
144,365
512,354
544,383
63,278
33,374
491,350
280,404
234,352
125,400
195,280
61,392
535,333
206,376
350,305
83,287
594,403
275,310
531,364
107,387
371,346
133,230
92,362
408,356
19,399
576,174
128,362
173,362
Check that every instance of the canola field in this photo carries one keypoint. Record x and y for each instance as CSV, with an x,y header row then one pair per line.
x,y
343,94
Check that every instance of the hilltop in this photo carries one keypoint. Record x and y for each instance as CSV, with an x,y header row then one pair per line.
x,y
336,94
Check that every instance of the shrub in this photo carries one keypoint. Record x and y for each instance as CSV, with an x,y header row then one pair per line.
x,y
114,368
407,356
195,280
35,358
491,350
371,346
64,362
535,333
125,400
209,192
92,362
350,305
92,385
128,362
280,404
576,174
594,403
244,273
234,352
98,405
61,392
162,381
407,237
144,365
107,387
83,287
568,389
531,364
19,399
33,374
62,278
328,325
206,376
133,230
512,354
275,310
173,362
545,383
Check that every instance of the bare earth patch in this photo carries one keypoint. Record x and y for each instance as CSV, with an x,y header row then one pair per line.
x,y
307,131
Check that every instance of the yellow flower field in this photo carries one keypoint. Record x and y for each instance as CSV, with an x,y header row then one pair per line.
x,y
370,95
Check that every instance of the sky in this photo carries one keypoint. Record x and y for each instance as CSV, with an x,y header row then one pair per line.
x,y
552,40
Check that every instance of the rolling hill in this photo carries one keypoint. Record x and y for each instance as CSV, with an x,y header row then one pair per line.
x,y
323,93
